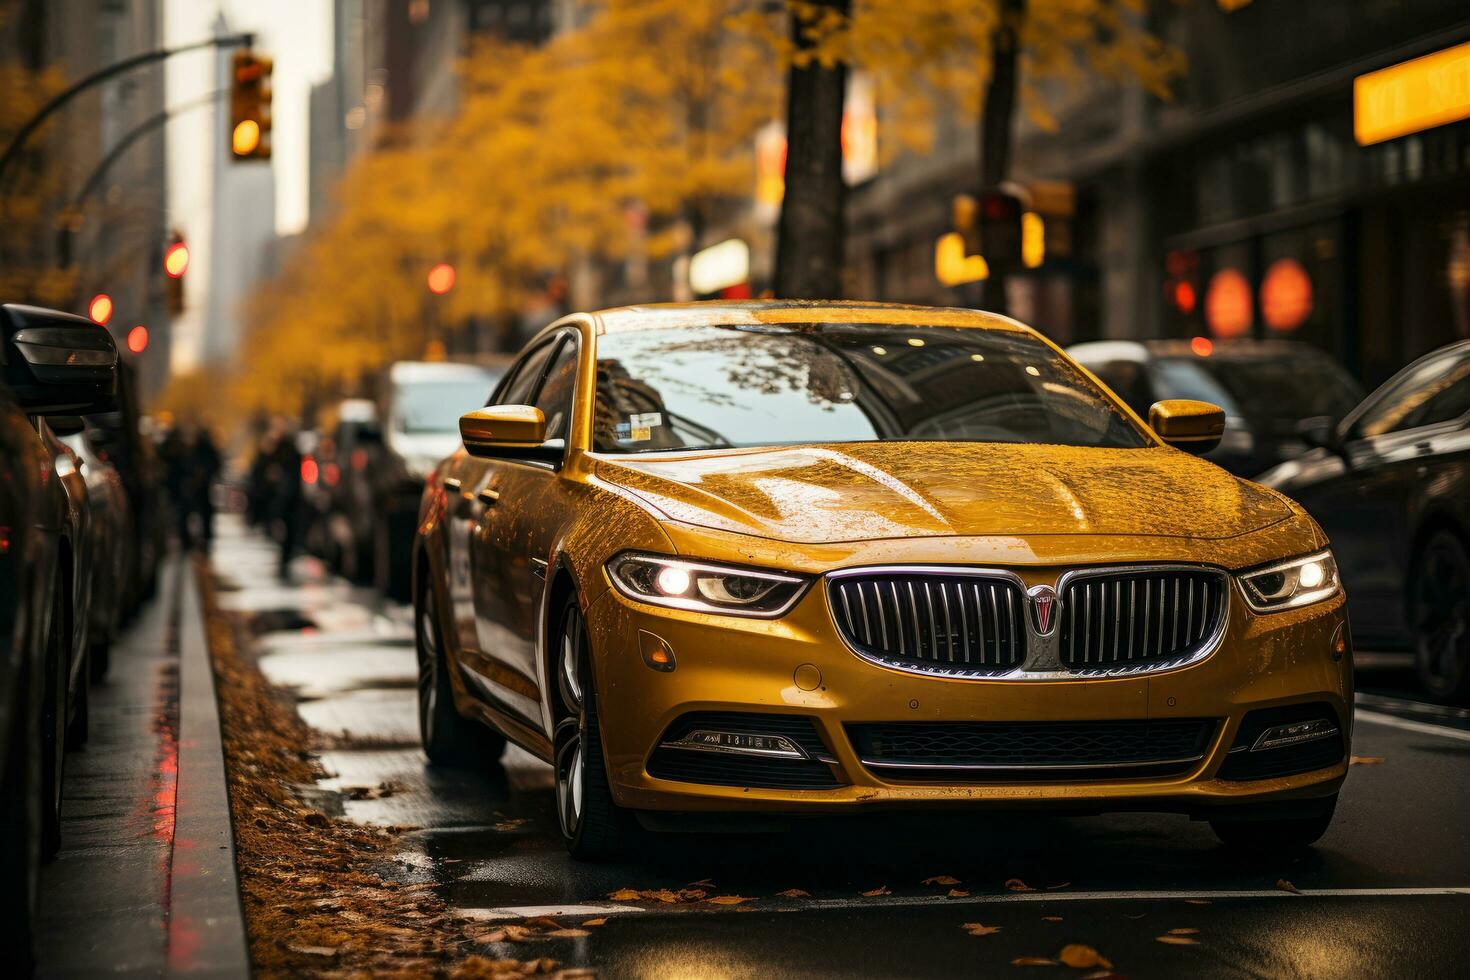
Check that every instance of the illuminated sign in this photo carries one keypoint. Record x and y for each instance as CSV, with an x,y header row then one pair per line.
x,y
719,267
1413,96
952,267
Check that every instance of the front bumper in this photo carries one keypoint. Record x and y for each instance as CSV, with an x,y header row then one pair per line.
x,y
726,664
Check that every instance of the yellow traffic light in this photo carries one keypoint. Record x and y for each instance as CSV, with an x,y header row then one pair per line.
x,y
250,106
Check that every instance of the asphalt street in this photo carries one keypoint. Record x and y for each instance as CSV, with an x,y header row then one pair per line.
x,y
1386,892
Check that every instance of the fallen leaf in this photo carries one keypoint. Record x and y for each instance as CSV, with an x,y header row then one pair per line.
x,y
624,895
942,880
595,922
1017,885
880,890
567,933
701,883
542,922
1051,918
1033,961
1080,957
1177,940
1184,932
729,900
1365,760
518,934
957,893
1196,901
794,893
1283,885
979,929
315,950
662,895
494,936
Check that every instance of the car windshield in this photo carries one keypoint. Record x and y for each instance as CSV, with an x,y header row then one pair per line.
x,y
1285,390
726,387
435,406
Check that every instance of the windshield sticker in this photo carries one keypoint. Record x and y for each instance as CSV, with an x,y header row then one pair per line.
x,y
639,428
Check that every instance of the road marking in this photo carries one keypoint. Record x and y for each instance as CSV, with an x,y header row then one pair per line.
x,y
512,912
1422,727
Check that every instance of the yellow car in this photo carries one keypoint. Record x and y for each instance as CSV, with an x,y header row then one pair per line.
x,y
790,558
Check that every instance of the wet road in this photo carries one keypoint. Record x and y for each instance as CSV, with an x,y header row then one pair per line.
x,y
1387,891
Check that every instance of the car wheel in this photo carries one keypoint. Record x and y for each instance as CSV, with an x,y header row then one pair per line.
x,y
81,718
1276,835
53,731
593,826
449,738
1439,613
20,858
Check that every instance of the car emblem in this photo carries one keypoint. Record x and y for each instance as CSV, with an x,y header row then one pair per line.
x,y
1043,608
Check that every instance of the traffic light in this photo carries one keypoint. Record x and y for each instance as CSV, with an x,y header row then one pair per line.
x,y
250,106
1000,225
175,264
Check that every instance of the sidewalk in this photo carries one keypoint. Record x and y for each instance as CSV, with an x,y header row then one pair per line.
x,y
144,882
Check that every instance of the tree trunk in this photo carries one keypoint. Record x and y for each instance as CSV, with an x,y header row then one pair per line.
x,y
811,234
996,114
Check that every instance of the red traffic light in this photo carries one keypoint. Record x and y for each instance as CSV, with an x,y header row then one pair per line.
x,y
176,260
138,339
100,309
441,278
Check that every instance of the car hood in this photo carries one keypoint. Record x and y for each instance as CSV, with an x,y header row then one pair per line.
x,y
865,491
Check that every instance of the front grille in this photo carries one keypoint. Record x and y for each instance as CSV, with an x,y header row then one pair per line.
x,y
725,769
1241,763
931,620
1139,619
968,752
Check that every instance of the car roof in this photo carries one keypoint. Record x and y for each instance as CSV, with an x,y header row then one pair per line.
x,y
1246,349
654,316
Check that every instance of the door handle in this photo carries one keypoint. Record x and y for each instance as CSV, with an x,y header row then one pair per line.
x,y
489,495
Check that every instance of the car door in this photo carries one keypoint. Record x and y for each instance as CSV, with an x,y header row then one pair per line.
x,y
510,549
1368,508
462,478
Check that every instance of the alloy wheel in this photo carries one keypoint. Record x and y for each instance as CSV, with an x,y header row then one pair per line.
x,y
570,737
428,654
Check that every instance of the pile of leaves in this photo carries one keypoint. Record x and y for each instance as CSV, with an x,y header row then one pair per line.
x,y
314,905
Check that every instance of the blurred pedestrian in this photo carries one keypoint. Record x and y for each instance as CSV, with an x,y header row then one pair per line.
x,y
202,471
281,482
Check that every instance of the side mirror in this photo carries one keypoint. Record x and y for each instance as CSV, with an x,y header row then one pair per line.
x,y
1319,432
57,363
1193,426
501,431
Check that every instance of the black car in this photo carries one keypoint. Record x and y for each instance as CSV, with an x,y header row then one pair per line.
x,y
1267,388
1390,484
50,364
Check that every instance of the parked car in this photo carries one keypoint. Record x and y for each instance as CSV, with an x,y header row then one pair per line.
x,y
349,446
1391,486
1266,387
119,438
421,403
50,364
112,564
765,558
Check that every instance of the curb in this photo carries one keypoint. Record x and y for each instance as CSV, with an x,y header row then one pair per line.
x,y
206,926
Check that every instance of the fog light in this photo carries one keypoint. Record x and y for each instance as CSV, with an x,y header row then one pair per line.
x,y
738,743
1295,733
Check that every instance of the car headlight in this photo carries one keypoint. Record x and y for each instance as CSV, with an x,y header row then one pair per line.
x,y
704,587
1293,583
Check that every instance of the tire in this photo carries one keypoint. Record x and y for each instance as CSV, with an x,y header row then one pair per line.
x,y
593,826
53,730
449,738
80,725
1439,615
20,858
1276,835
100,659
